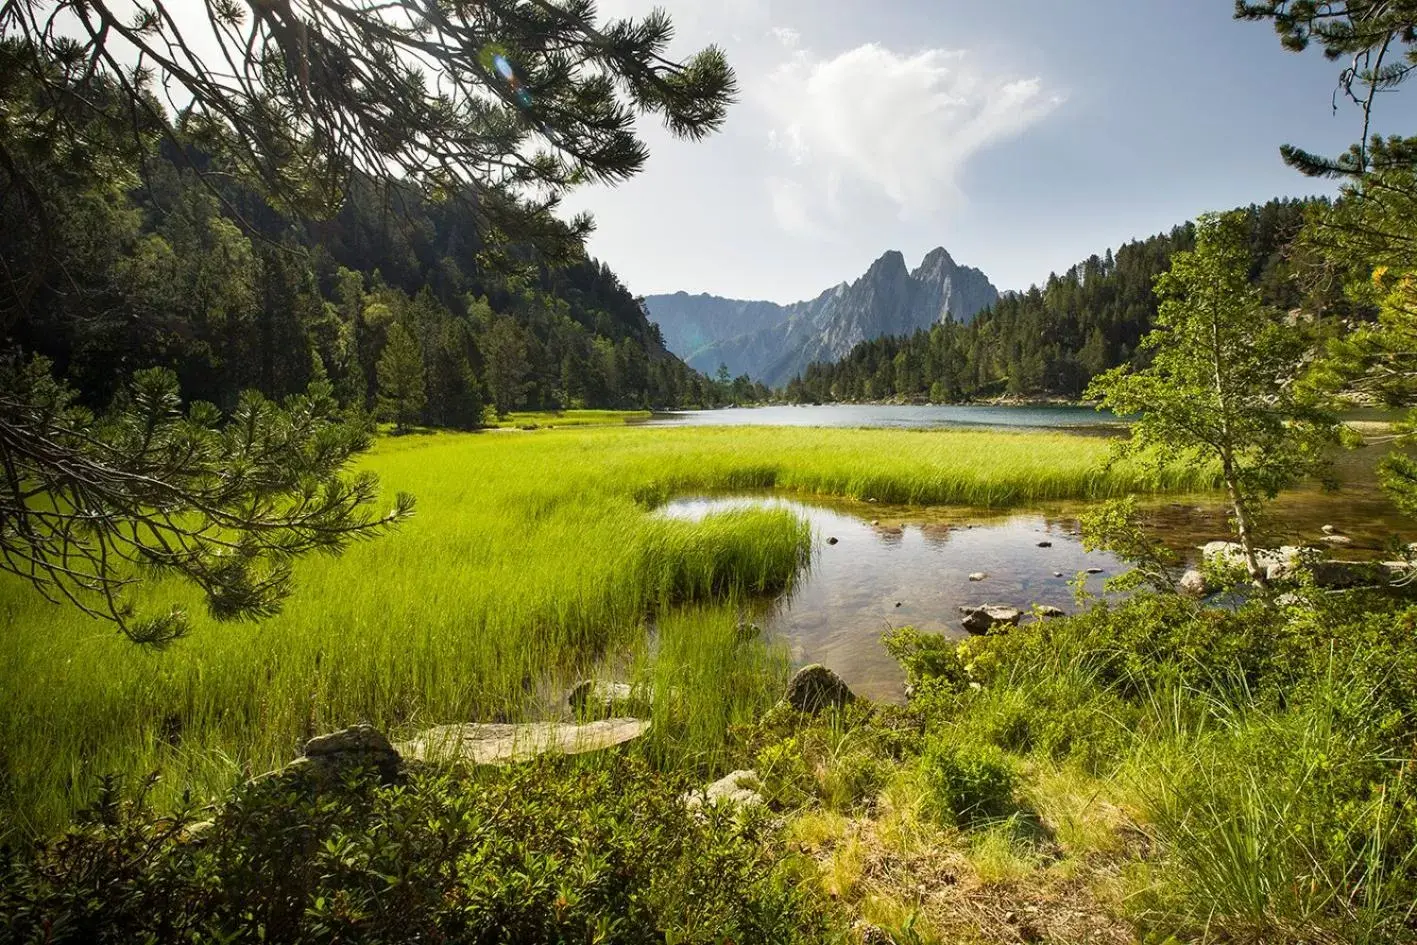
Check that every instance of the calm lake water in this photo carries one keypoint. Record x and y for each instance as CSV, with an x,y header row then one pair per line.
x,y
895,565
907,416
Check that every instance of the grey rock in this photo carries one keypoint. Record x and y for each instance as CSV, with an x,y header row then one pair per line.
x,y
1048,610
978,576
1094,570
831,540
987,617
814,687
329,756
1045,544
1193,584
1329,530
497,743
737,789
601,698
1057,573
1339,540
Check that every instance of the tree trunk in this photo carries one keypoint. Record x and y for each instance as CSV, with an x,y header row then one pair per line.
x,y
1243,525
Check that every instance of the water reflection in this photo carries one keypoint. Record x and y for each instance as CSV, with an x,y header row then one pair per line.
x,y
891,571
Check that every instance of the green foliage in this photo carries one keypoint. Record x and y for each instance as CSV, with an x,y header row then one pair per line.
x,y
1268,752
1116,525
401,390
92,505
548,852
1224,384
972,783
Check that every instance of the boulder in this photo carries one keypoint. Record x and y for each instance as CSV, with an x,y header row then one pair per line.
x,y
831,540
737,789
978,576
1048,610
497,743
1045,544
1094,570
1335,575
360,746
1337,540
1233,553
986,617
1329,530
1057,573
1193,584
814,687
601,698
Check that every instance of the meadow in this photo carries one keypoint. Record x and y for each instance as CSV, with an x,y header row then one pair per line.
x,y
534,558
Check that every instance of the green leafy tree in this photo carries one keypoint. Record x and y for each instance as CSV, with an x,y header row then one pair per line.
x,y
1225,381
402,392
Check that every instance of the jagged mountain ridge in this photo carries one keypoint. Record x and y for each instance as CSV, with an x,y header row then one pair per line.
x,y
773,343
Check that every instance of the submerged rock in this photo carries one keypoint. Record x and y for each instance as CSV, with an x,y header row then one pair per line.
x,y
738,789
496,743
814,687
986,617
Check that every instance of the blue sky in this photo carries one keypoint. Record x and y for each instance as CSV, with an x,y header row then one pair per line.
x,y
1022,135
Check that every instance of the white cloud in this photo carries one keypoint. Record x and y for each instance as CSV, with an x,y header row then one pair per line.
x,y
787,36
897,126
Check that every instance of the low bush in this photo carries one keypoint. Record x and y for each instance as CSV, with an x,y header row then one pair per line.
x,y
972,783
551,852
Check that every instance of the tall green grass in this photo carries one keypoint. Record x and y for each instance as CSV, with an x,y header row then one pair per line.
x,y
533,557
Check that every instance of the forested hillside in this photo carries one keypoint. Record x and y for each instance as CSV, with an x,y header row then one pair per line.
x,y
143,262
1052,339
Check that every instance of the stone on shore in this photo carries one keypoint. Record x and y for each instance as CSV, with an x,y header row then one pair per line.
x,y
814,688
497,743
737,789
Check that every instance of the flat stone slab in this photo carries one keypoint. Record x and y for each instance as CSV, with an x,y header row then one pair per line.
x,y
499,743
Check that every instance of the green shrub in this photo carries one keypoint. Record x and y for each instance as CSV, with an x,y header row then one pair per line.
x,y
549,852
972,783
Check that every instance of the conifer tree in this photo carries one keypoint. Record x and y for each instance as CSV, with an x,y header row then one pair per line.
x,y
402,393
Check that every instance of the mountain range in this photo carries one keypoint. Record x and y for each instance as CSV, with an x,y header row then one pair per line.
x,y
774,343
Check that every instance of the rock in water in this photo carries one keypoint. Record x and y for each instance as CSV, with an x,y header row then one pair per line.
x,y
1048,610
832,540
738,789
978,576
1192,584
1045,544
1329,530
1337,540
1094,570
815,687
986,617
497,743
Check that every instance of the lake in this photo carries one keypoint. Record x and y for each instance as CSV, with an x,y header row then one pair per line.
x,y
908,416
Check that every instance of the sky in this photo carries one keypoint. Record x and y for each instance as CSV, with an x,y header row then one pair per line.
x,y
1021,135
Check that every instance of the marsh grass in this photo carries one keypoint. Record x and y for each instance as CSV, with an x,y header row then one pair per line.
x,y
531,557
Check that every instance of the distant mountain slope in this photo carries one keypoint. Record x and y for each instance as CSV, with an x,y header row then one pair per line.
x,y
774,343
